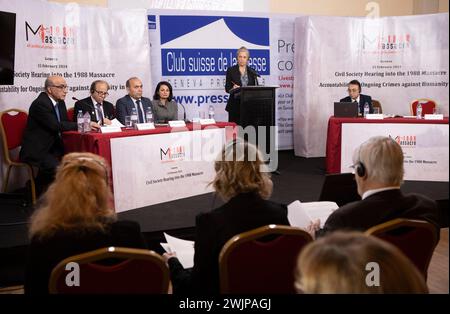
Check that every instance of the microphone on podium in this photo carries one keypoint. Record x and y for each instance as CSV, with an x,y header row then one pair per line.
x,y
255,74
76,99
253,71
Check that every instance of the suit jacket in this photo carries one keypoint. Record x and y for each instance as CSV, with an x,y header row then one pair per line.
x,y
45,254
86,105
125,105
233,103
363,99
242,213
381,207
42,135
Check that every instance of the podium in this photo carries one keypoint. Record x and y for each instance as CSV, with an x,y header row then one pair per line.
x,y
257,109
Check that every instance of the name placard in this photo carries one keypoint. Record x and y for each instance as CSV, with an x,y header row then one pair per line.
x,y
177,123
434,117
207,121
145,126
375,116
110,129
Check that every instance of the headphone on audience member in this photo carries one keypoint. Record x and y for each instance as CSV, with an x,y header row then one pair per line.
x,y
360,169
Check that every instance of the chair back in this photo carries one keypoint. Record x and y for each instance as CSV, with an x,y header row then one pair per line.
x,y
70,113
123,271
377,104
428,106
415,238
262,260
12,126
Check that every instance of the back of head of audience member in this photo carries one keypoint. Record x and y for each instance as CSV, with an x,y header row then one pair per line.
x,y
378,163
349,262
240,169
79,198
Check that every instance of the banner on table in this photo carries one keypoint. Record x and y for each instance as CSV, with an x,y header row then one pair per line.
x,y
425,147
164,167
192,50
396,59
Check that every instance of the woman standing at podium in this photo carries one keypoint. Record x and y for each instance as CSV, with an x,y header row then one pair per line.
x,y
238,75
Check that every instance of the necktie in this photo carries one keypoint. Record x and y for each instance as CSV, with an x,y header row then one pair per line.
x,y
99,113
359,109
57,112
141,116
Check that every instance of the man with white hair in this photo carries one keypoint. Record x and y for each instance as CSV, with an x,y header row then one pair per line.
x,y
42,144
378,165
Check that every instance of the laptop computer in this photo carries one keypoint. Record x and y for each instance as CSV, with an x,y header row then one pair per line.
x,y
346,109
339,188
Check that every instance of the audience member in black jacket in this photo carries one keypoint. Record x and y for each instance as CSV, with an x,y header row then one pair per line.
x,y
76,217
246,187
379,172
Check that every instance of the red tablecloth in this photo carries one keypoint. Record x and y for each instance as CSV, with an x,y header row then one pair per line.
x,y
100,143
333,153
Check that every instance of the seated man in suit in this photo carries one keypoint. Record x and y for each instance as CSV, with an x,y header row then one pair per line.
x,y
354,95
379,172
100,110
134,99
42,145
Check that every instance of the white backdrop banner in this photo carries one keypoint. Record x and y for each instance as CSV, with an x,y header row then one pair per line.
x,y
164,167
396,59
425,147
193,49
82,44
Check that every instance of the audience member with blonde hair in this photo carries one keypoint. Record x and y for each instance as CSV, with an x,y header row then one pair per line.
x,y
241,181
76,216
378,165
351,262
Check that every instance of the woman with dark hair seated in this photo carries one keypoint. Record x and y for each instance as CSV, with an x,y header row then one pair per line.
x,y
243,182
164,107
76,216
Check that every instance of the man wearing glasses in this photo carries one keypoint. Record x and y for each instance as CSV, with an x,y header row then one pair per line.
x,y
42,145
354,95
100,110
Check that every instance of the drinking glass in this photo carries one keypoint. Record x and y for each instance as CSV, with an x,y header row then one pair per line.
x,y
128,123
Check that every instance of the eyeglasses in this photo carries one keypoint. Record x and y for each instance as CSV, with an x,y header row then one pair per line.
x,y
102,93
63,87
353,90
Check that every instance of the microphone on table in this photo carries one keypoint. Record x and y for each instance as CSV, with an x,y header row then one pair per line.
x,y
184,112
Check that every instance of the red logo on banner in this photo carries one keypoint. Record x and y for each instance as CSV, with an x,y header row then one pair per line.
x,y
406,141
49,36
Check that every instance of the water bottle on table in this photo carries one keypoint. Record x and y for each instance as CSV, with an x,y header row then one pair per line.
x,y
366,109
149,115
80,121
134,117
419,111
211,112
86,122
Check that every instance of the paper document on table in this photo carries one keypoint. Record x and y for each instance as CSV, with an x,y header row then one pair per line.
x,y
302,214
183,248
115,122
